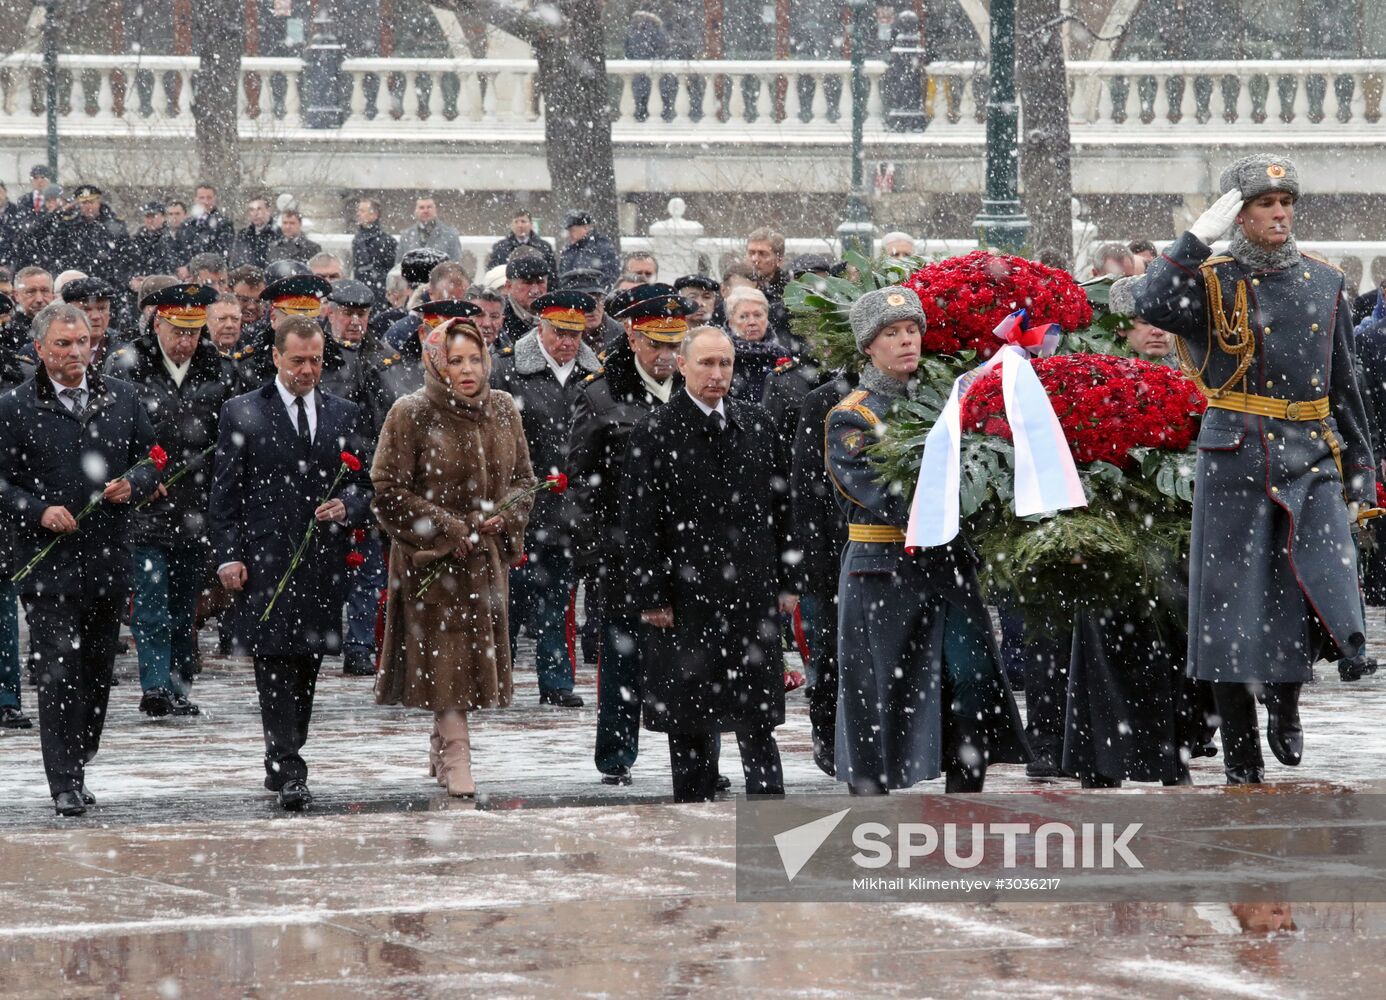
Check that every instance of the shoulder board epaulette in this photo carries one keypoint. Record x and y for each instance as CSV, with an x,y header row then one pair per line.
x,y
601,356
122,352
245,352
1220,258
507,350
1318,259
853,401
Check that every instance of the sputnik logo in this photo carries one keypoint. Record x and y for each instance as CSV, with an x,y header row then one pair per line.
x,y
798,845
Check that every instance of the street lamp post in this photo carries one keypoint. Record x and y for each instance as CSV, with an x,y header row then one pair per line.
x,y
50,78
856,231
1002,222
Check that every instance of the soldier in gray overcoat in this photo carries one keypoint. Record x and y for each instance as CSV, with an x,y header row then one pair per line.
x,y
1284,460
920,685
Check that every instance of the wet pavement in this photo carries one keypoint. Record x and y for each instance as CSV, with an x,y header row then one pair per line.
x,y
187,881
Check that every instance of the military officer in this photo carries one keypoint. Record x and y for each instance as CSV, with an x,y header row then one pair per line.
x,y
1284,460
920,689
401,372
292,295
639,375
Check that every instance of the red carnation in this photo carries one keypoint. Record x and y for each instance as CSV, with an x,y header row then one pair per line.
x,y
1106,405
355,559
351,461
159,457
558,482
1380,494
358,536
781,361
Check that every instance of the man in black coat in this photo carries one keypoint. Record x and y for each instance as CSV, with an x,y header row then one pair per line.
x,y
706,519
69,437
372,249
92,240
253,242
544,372
212,229
639,375
183,382
280,451
521,235
588,248
11,710
527,277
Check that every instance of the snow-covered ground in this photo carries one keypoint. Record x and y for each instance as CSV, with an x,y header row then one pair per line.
x,y
186,881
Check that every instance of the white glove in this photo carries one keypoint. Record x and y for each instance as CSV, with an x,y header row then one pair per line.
x,y
1210,226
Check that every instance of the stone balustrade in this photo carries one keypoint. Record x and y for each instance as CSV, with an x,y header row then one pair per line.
x,y
698,101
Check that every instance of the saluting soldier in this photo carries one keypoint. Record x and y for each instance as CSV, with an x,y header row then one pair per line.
x,y
1284,460
920,689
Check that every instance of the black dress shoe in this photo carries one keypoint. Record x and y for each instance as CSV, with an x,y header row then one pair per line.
x,y
115,681
562,699
1246,775
358,663
87,796
1286,740
1098,781
294,796
1209,749
825,757
1044,766
13,718
621,777
1356,668
182,707
69,804
157,702
723,783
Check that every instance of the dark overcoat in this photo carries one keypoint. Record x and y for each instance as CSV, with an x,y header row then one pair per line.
x,y
894,613
185,425
1273,568
267,485
546,407
50,457
608,407
706,522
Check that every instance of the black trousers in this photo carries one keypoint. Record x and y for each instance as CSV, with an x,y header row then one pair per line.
x,y
1236,706
822,690
694,758
72,644
285,685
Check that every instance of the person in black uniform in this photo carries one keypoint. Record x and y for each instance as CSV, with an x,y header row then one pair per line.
x,y
69,436
296,295
639,375
183,381
11,711
544,373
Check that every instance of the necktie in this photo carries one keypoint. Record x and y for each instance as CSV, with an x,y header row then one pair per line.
x,y
74,397
714,423
304,434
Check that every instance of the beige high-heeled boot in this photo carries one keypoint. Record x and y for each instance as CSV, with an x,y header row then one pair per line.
x,y
435,753
455,770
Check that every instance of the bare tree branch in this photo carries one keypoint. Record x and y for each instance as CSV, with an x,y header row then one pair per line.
x,y
530,22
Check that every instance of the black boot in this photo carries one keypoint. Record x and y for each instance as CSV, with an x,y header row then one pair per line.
x,y
1356,667
1283,731
1241,740
964,779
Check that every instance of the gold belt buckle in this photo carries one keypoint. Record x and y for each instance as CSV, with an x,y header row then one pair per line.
x,y
1292,410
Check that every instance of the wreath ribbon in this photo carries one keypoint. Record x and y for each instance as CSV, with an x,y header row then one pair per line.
x,y
1046,480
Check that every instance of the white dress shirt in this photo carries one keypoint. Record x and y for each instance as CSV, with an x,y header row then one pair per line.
x,y
561,372
310,403
659,390
68,401
719,408
180,372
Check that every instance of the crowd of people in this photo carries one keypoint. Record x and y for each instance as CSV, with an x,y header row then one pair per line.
x,y
409,465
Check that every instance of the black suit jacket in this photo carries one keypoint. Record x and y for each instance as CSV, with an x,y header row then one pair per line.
x,y
49,457
267,485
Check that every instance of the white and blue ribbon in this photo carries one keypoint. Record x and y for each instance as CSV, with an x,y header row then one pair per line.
x,y
1046,479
